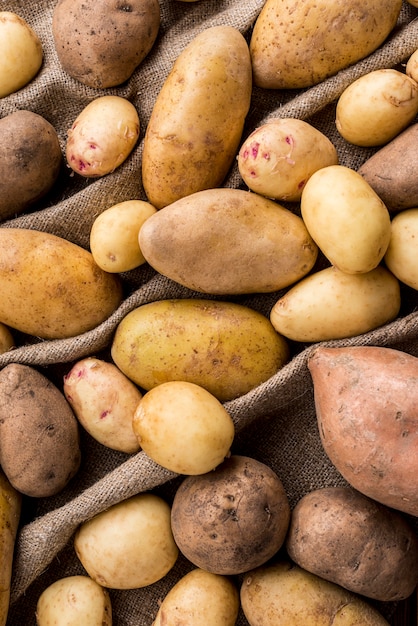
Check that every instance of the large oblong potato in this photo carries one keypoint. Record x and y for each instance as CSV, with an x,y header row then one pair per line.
x,y
226,348
52,288
198,117
228,241
299,44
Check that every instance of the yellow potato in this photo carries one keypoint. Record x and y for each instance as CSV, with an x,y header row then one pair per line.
x,y
7,341
130,544
102,136
299,44
21,53
277,158
74,601
331,304
114,235
200,597
226,348
346,218
402,254
376,107
197,121
228,241
183,427
411,68
10,509
52,288
283,594
104,401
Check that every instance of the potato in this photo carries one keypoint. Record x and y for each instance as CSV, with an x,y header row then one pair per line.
x,y
7,341
346,218
228,241
104,401
129,545
21,53
74,601
114,235
278,157
30,161
51,288
299,45
391,171
39,437
225,347
192,136
402,254
10,510
231,519
283,594
376,107
331,304
411,68
365,398
200,597
183,427
102,136
344,537
101,45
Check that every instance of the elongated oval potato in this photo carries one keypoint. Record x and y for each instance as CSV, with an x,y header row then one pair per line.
x,y
365,400
331,304
226,348
346,218
200,597
296,45
228,241
402,254
52,288
197,121
10,509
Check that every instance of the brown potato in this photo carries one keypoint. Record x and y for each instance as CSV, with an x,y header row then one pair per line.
x,y
101,44
344,537
10,509
7,341
39,449
30,161
231,519
366,399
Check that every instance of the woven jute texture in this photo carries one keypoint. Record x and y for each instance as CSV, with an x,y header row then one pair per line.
x,y
275,422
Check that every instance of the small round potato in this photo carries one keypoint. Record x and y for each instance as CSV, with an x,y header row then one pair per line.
x,y
200,597
74,601
376,107
129,545
114,234
278,158
104,401
102,136
402,254
231,519
21,53
183,427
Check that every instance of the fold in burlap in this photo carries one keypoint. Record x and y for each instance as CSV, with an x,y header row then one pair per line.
x,y
276,421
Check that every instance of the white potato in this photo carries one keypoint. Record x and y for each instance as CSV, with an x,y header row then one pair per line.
x,y
183,427
402,254
104,401
376,107
130,544
74,601
102,136
21,53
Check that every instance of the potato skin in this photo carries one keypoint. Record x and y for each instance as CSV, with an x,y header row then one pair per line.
x,y
228,241
344,537
39,449
366,399
10,509
51,287
191,138
402,254
296,45
102,44
231,519
30,161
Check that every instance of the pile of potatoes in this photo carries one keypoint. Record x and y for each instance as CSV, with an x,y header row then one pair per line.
x,y
336,244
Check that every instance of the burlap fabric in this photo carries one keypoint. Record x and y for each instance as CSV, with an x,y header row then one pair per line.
x,y
275,422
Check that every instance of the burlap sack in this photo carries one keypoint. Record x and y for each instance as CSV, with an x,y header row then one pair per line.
x,y
275,422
